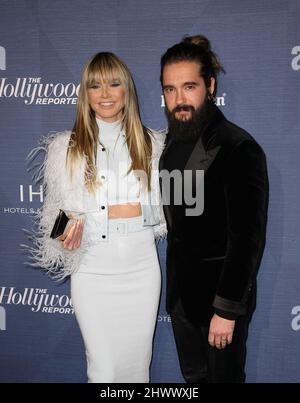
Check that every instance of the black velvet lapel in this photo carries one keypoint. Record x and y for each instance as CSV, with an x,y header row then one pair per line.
x,y
201,159
167,146
166,208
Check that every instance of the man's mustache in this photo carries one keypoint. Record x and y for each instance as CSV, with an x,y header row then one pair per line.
x,y
183,107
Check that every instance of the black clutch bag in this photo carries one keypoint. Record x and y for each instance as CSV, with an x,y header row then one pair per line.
x,y
59,225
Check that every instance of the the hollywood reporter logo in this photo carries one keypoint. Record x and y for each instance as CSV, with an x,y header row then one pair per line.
x,y
38,299
296,60
2,58
34,91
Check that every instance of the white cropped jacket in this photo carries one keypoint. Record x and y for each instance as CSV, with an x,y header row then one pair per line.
x,y
71,195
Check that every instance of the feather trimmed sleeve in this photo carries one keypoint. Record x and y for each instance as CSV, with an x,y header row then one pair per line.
x,y
44,252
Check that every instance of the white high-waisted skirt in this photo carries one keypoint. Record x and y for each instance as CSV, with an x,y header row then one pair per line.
x,y
115,294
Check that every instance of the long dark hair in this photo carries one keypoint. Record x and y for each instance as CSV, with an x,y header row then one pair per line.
x,y
194,49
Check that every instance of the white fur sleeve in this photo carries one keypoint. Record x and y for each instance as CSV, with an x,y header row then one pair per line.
x,y
45,252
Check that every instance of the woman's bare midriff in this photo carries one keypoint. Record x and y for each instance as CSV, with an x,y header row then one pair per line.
x,y
124,210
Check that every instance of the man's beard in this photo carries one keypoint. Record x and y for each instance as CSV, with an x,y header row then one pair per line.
x,y
187,131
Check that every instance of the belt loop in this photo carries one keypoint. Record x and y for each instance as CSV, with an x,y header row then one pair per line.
x,y
122,228
125,227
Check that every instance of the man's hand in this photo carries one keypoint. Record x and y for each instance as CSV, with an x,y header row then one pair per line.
x,y
71,238
220,331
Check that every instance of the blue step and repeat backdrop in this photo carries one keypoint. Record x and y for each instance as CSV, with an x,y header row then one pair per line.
x,y
43,46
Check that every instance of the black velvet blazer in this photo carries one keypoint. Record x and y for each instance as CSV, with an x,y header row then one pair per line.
x,y
213,259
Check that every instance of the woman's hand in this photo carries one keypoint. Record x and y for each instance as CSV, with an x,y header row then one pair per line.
x,y
71,238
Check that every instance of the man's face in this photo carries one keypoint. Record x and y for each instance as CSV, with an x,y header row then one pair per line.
x,y
184,89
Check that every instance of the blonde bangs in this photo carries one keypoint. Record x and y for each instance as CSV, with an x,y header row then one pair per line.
x,y
107,67
105,70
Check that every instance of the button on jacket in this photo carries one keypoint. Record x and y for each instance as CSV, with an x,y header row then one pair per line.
x,y
72,196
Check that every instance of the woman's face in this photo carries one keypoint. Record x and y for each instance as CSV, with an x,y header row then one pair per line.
x,y
107,99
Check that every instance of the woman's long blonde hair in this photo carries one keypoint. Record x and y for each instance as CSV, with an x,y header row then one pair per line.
x,y
84,138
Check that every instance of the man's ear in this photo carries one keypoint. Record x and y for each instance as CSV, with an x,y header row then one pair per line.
x,y
211,88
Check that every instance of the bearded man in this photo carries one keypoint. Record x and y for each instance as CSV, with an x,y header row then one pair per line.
x,y
212,257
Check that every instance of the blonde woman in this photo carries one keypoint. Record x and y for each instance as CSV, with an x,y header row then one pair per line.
x,y
104,176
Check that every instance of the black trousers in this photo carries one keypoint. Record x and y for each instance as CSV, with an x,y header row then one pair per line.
x,y
201,363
